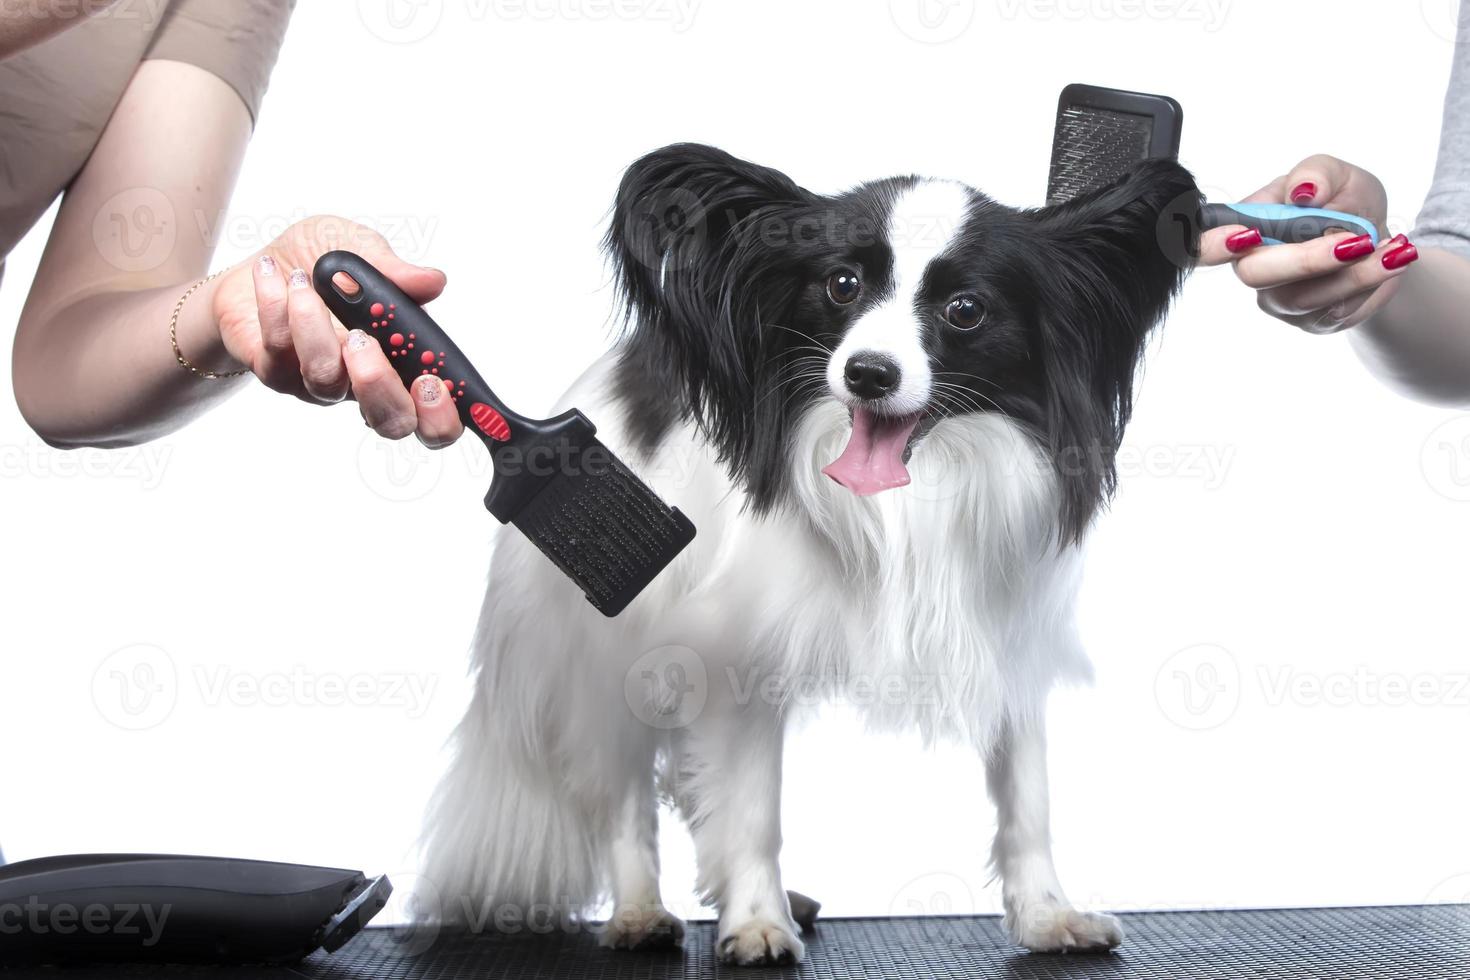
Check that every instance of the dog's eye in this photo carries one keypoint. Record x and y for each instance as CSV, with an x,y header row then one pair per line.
x,y
964,313
843,288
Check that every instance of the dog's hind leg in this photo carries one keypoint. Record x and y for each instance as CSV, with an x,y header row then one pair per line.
x,y
1038,915
729,788
639,919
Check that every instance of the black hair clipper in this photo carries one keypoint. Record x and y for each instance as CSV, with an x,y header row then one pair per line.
x,y
169,909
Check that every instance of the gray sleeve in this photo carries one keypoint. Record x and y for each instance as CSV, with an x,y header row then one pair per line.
x,y
1445,221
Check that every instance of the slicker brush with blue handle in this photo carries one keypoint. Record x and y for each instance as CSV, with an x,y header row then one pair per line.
x,y
1103,132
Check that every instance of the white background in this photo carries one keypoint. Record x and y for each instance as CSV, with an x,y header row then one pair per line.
x,y
1285,523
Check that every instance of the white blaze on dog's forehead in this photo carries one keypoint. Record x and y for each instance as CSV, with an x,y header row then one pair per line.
x,y
924,221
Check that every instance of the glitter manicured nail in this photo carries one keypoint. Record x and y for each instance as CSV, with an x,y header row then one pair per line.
x,y
430,390
357,340
299,279
267,265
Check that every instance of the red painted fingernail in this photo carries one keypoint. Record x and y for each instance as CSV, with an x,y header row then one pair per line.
x,y
1243,241
1303,192
1397,240
1400,257
1354,248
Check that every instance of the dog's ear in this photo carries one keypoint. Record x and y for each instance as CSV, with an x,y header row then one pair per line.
x,y
696,276
1117,258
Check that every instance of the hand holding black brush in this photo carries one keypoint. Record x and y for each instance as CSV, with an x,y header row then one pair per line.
x,y
561,487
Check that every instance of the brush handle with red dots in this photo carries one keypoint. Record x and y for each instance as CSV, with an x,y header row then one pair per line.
x,y
414,343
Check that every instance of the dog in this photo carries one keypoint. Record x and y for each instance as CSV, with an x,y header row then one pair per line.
x,y
892,415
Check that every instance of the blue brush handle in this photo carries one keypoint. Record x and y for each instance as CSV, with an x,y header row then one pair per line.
x,y
1282,224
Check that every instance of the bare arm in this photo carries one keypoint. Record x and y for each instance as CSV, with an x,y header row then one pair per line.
x,y
1419,342
25,24
93,364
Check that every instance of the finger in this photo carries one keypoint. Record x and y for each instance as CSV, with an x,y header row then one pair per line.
x,y
1332,319
1221,245
1266,268
1332,303
1315,180
277,365
318,347
439,423
385,403
421,283
1364,268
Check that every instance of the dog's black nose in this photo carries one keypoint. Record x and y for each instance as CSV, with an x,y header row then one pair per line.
x,y
871,375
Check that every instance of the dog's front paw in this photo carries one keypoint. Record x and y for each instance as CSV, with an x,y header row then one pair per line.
x,y
760,942
642,927
1046,928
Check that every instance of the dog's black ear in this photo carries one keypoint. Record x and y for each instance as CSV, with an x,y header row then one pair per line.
x,y
695,277
1117,258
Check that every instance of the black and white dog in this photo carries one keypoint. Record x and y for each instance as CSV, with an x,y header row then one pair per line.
x,y
892,414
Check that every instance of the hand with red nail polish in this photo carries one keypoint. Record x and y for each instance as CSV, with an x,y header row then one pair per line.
x,y
1325,285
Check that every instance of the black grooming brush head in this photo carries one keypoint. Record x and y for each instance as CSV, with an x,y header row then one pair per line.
x,y
1103,133
604,528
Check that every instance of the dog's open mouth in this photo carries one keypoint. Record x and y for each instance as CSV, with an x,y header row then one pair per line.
x,y
876,452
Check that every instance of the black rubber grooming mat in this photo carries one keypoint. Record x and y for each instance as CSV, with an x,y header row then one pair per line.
x,y
1400,943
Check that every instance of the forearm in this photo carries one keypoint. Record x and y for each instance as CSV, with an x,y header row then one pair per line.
x,y
29,22
1419,341
100,371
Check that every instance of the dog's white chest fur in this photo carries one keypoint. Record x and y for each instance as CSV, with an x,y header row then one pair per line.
x,y
941,605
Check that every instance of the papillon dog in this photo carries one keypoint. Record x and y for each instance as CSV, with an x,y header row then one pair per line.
x,y
892,413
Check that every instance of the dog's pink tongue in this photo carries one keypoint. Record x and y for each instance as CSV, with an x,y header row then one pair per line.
x,y
873,459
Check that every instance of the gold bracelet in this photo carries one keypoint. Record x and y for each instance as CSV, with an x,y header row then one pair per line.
x,y
173,337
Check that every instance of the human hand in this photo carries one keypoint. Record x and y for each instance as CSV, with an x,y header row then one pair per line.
x,y
272,321
1333,282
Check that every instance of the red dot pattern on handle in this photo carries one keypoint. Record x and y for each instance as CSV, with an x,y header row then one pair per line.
x,y
489,421
376,310
428,357
396,340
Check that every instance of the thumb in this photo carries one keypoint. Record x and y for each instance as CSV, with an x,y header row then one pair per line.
x,y
1315,181
421,283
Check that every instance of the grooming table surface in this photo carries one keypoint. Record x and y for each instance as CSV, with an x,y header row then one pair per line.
x,y
1401,943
